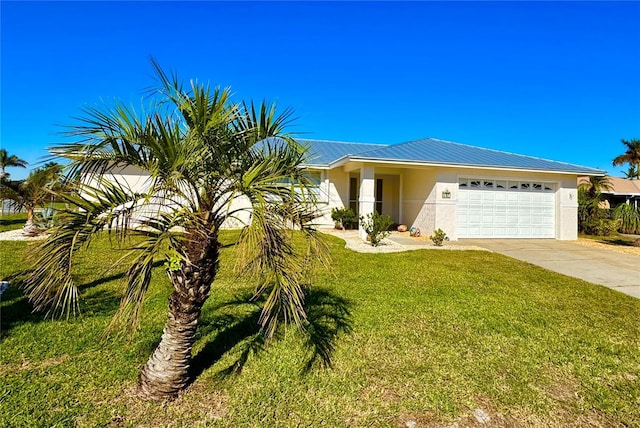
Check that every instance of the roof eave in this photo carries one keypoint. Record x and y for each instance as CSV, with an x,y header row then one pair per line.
x,y
345,159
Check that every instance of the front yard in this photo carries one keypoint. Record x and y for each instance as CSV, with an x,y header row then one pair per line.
x,y
423,336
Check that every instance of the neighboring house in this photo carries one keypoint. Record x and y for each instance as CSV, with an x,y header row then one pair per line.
x,y
624,191
467,191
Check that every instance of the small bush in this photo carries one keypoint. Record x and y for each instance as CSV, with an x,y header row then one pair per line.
x,y
629,217
344,217
438,237
601,227
376,226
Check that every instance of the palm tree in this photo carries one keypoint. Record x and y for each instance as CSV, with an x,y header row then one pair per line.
x,y
31,193
203,154
595,185
632,173
631,155
7,160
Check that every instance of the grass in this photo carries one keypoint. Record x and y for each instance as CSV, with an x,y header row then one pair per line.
x,y
424,336
12,221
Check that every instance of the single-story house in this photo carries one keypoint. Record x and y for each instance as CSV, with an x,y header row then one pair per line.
x,y
623,191
467,191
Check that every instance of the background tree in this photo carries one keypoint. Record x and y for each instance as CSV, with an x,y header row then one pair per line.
x,y
630,156
7,160
202,154
632,173
595,185
593,218
33,192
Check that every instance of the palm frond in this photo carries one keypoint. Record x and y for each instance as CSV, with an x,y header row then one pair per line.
x,y
50,286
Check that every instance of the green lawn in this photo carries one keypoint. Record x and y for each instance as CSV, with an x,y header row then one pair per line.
x,y
12,221
424,336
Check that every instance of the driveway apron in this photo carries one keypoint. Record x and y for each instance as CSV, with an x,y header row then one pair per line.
x,y
612,269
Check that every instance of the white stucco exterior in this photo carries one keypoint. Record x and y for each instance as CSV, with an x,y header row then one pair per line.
x,y
427,197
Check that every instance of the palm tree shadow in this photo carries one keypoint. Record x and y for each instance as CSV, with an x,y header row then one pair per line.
x,y
328,316
17,309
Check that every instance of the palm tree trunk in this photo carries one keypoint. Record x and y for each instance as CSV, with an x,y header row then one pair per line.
x,y
29,217
167,372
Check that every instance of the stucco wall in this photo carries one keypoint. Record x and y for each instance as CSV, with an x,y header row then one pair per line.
x,y
414,196
418,208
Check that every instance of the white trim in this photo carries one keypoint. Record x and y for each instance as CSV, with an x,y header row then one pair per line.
x,y
343,160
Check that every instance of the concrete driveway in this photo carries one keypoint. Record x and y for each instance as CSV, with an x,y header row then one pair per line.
x,y
612,269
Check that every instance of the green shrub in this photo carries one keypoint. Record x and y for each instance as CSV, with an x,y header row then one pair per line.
x,y
601,226
629,217
344,218
592,218
438,237
376,226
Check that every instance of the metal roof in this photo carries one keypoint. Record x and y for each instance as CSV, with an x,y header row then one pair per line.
x,y
323,152
434,152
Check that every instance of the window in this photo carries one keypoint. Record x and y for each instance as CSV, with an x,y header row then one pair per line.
x,y
353,194
488,184
316,187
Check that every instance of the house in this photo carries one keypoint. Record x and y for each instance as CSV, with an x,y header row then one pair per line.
x,y
467,191
623,191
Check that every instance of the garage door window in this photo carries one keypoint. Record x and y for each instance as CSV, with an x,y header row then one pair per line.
x,y
467,183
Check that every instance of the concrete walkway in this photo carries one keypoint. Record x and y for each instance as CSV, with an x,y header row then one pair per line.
x,y
615,270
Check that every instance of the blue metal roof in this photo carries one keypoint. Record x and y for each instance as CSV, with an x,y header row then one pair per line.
x,y
323,152
434,151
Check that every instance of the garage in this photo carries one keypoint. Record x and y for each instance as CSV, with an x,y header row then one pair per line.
x,y
489,208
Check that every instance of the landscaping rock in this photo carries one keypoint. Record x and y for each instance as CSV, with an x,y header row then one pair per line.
x,y
481,416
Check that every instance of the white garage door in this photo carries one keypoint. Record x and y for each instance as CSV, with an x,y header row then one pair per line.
x,y
505,209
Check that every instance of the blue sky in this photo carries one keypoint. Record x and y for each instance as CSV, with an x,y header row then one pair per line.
x,y
558,80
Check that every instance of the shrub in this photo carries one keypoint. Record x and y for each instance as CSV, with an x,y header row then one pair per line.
x,y
591,218
376,226
601,226
438,237
629,217
344,217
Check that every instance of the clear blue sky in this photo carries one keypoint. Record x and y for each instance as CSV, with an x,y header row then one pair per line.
x,y
554,80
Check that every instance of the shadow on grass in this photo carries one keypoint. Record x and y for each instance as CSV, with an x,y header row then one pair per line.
x,y
617,242
7,222
16,309
328,315
115,276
